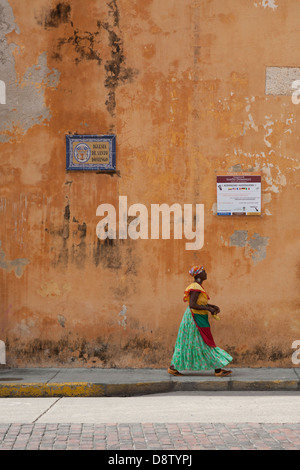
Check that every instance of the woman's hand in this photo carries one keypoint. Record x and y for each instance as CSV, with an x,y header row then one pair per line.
x,y
215,309
211,309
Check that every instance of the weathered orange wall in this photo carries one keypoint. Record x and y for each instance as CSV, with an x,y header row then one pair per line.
x,y
181,83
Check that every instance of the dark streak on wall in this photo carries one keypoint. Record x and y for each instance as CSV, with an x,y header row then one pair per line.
x,y
56,16
88,45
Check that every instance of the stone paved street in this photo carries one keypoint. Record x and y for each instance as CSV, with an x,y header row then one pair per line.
x,y
167,437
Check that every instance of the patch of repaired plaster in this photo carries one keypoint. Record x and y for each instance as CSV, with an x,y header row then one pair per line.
x,y
279,80
258,247
123,320
25,103
255,247
239,238
17,265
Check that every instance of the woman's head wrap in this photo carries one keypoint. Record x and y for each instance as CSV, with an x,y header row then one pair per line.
x,y
196,270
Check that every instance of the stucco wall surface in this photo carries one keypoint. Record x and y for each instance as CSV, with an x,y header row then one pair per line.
x,y
189,90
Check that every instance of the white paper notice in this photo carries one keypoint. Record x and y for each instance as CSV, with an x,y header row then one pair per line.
x,y
239,195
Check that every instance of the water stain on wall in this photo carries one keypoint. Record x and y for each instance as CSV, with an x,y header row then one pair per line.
x,y
56,16
72,234
84,43
108,253
77,351
94,45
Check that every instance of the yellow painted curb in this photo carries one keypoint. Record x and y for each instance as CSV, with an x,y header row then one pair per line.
x,y
139,388
266,385
74,389
87,389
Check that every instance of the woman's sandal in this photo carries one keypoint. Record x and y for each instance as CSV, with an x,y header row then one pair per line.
x,y
174,372
223,373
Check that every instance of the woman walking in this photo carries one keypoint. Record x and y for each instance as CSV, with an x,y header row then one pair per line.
x,y
195,348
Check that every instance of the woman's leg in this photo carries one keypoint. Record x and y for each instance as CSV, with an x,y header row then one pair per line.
x,y
173,371
222,372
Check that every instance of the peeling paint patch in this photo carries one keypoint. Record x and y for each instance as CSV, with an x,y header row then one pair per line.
x,y
123,320
268,127
40,75
17,265
25,93
214,208
237,168
255,247
273,177
61,320
249,123
276,183
267,4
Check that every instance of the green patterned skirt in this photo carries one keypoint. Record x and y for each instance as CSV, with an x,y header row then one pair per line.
x,y
192,353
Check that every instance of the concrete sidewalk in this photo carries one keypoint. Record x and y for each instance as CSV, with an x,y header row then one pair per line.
x,y
94,382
